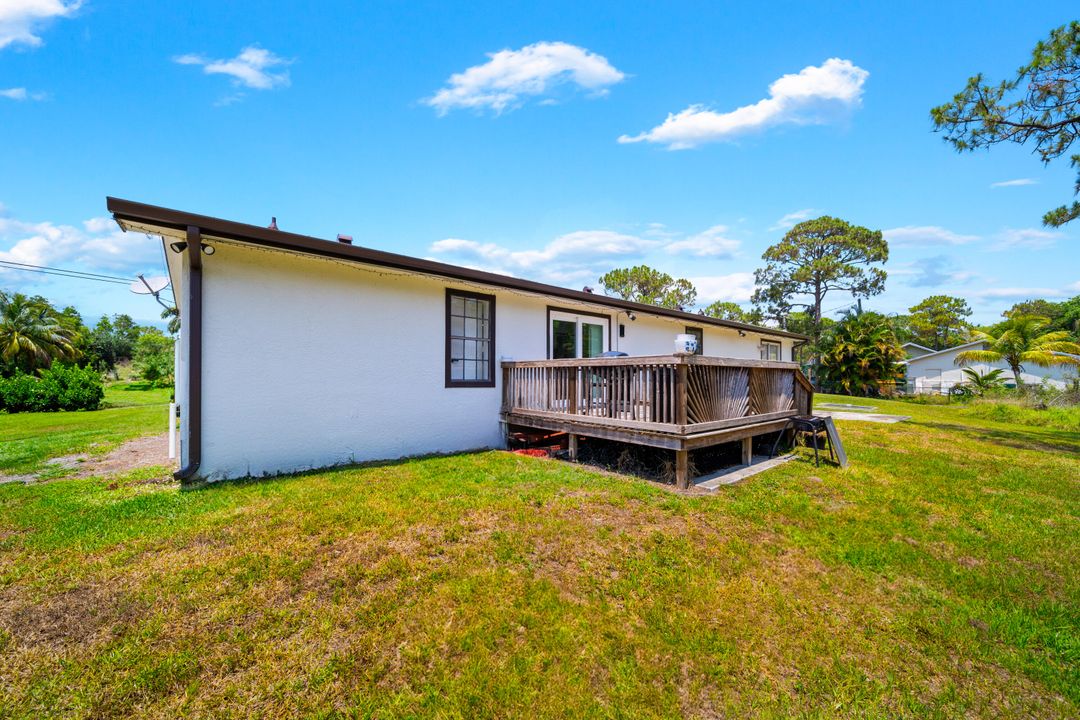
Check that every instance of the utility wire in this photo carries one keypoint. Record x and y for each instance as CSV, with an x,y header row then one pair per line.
x,y
64,270
21,267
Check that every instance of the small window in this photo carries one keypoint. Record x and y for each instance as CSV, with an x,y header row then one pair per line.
x,y
770,350
470,339
700,335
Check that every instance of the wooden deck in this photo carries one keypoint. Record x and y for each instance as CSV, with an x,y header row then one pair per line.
x,y
667,401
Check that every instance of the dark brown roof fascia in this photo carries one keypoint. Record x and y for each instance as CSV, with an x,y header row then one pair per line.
x,y
179,220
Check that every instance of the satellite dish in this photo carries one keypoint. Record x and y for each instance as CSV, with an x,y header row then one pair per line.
x,y
149,286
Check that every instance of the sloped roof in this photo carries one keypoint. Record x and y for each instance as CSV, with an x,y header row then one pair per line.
x,y
940,352
129,213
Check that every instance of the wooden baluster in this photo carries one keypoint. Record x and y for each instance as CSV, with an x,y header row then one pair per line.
x,y
681,371
572,391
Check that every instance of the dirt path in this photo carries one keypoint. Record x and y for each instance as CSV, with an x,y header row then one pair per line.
x,y
145,451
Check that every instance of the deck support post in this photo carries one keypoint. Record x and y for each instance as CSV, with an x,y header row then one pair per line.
x,y
573,447
682,469
747,450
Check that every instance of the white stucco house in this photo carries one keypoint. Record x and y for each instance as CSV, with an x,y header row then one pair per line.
x,y
936,371
297,352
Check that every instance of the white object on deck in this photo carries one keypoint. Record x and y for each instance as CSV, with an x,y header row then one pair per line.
x,y
172,431
685,344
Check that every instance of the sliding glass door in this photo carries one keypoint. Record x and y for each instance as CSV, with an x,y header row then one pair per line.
x,y
577,336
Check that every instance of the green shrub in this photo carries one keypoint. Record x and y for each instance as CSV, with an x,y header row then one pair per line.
x,y
19,393
58,388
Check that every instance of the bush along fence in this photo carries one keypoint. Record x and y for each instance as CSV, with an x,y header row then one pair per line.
x,y
58,388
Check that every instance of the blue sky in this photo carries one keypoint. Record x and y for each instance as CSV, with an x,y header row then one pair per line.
x,y
489,135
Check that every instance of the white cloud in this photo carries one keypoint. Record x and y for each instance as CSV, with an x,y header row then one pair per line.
x,y
20,20
19,93
1075,286
580,258
659,230
1014,183
98,246
252,68
736,287
932,272
815,95
1017,292
575,247
794,218
511,76
1028,238
910,236
712,243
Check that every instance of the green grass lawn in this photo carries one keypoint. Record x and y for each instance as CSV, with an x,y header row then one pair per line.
x,y
28,440
937,576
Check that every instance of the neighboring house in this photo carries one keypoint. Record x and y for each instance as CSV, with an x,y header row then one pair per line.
x,y
937,371
298,353
915,350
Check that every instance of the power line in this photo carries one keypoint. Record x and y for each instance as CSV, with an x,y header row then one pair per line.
x,y
65,270
61,273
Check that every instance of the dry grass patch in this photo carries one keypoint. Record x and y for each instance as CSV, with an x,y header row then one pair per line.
x,y
494,585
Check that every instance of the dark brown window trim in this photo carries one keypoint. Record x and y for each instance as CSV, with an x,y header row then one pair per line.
x,y
451,292
699,333
572,311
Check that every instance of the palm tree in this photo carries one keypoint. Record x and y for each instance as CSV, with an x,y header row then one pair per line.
x,y
32,335
1024,340
982,383
860,354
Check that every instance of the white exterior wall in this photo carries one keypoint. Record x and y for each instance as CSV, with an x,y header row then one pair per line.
x,y
935,373
309,362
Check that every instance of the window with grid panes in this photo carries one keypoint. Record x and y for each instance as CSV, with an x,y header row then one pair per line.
x,y
470,339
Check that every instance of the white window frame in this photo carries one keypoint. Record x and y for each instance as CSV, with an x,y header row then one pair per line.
x,y
767,345
578,320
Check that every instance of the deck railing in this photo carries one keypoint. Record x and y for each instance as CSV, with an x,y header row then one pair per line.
x,y
663,393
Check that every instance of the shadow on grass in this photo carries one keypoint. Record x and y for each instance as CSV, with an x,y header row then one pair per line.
x,y
1042,439
203,485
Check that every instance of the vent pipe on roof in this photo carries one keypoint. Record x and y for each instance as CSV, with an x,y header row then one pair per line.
x,y
346,239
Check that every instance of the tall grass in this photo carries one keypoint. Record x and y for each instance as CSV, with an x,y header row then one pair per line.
x,y
1021,411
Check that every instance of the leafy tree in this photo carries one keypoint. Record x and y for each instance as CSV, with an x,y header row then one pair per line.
x,y
113,340
731,311
901,325
816,257
72,321
126,328
1040,105
939,321
1043,308
109,346
646,285
172,314
1069,319
1026,339
154,356
32,334
773,303
859,355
